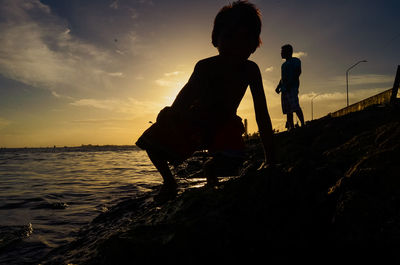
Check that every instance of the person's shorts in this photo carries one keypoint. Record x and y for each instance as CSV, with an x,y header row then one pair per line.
x,y
290,101
176,139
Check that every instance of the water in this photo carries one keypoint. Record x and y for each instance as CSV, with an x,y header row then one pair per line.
x,y
47,195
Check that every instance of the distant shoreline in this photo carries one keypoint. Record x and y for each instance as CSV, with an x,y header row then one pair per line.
x,y
84,147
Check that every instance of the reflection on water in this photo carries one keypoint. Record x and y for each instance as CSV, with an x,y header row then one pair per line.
x,y
47,195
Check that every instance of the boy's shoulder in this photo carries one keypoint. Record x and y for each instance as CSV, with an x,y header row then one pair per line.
x,y
252,65
296,60
293,60
214,64
251,68
214,59
207,61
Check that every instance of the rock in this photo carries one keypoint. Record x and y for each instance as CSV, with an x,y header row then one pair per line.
x,y
335,192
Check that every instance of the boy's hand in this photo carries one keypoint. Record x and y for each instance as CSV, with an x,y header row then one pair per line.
x,y
278,87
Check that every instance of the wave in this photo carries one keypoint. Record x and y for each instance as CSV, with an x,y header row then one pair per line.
x,y
10,235
35,203
52,205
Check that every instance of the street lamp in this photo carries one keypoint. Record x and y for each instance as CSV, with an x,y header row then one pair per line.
x,y
312,110
347,78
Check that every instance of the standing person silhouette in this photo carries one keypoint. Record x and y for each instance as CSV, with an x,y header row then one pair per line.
x,y
289,86
203,115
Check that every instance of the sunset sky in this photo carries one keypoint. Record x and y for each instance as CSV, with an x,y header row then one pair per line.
x,y
96,72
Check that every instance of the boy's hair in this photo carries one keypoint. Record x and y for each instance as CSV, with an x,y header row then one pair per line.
x,y
288,48
232,16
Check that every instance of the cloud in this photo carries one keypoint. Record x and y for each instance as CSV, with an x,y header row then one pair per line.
x,y
101,121
118,74
172,79
114,5
36,48
57,95
131,43
173,73
129,106
299,54
148,2
164,82
269,69
107,104
134,13
364,79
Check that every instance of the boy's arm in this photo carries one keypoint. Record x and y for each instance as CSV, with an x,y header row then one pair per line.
x,y
262,116
278,87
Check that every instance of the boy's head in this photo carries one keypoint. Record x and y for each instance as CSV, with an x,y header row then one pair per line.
x,y
286,51
237,28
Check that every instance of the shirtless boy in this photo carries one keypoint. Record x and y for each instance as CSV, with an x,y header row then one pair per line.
x,y
203,115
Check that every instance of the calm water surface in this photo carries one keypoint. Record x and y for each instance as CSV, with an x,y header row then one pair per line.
x,y
47,195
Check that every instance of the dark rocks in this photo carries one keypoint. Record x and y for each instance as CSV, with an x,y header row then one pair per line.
x,y
335,193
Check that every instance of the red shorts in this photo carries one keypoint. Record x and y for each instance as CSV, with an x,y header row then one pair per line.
x,y
176,138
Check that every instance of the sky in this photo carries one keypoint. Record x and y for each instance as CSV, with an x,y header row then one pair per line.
x,y
96,72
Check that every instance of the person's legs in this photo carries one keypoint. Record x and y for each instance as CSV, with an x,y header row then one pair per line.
x,y
290,120
300,115
163,168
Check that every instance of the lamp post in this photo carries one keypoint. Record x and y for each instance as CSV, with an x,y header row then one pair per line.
x,y
312,110
347,78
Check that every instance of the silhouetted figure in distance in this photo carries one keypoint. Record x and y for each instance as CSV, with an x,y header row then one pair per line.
x,y
289,86
203,115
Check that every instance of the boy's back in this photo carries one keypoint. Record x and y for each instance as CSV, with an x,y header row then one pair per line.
x,y
216,86
291,70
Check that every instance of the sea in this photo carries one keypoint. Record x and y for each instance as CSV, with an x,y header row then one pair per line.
x,y
48,194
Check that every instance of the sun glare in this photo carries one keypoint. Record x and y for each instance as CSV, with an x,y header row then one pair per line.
x,y
175,84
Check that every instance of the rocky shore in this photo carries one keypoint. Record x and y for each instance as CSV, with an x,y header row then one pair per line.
x,y
335,195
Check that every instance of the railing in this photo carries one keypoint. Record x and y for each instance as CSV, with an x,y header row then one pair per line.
x,y
384,97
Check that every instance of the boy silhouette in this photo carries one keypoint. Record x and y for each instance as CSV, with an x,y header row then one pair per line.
x,y
203,115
